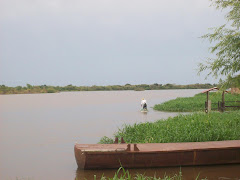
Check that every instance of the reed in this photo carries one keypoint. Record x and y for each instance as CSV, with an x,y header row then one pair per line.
x,y
196,127
123,174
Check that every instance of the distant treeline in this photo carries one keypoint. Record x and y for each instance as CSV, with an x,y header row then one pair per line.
x,y
28,89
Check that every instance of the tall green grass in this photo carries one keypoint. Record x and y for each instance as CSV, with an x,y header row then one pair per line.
x,y
195,103
197,127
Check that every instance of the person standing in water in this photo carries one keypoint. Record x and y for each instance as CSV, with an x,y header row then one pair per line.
x,y
144,103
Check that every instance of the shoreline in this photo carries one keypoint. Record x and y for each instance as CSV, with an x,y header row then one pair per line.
x,y
94,91
42,89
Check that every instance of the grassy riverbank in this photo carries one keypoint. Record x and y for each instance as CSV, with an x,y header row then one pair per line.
x,y
196,127
195,103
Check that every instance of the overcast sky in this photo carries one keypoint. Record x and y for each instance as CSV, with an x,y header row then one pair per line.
x,y
104,42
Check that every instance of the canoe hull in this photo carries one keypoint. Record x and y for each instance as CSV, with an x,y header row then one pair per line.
x,y
145,159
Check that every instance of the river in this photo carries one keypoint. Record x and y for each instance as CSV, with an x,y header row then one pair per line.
x,y
38,131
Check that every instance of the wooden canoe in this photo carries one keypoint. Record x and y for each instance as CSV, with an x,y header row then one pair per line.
x,y
101,156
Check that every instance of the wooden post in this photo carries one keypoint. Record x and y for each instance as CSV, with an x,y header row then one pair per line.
x,y
207,96
208,104
223,101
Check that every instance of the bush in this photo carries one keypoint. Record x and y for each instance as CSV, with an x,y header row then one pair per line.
x,y
106,140
51,91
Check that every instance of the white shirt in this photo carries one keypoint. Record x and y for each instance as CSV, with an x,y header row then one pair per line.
x,y
143,102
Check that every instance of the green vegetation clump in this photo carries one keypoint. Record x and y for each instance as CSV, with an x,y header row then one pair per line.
x,y
195,103
197,127
106,140
123,174
28,89
51,90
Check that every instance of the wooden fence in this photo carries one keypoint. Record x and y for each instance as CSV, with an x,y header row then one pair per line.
x,y
223,106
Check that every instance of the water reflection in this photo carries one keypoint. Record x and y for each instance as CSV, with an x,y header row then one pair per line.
x,y
218,172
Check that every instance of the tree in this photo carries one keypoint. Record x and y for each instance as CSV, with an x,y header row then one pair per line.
x,y
227,47
29,86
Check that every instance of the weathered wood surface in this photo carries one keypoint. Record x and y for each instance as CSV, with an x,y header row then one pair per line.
x,y
99,156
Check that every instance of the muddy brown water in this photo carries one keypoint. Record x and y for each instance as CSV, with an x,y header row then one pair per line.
x,y
38,132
